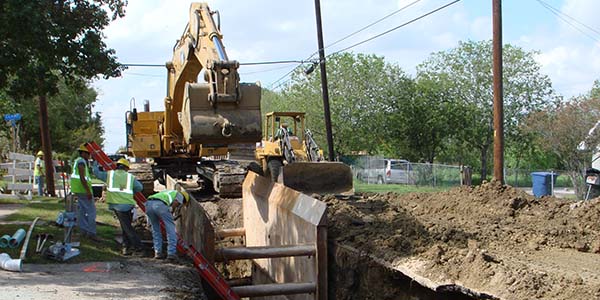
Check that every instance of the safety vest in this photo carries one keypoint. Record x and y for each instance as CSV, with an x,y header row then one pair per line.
x,y
166,196
76,184
39,167
119,187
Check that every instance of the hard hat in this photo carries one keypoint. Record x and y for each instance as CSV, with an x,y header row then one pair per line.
x,y
186,196
83,148
123,161
40,153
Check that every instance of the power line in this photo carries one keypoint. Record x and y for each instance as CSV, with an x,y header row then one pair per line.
x,y
345,38
560,15
398,27
376,36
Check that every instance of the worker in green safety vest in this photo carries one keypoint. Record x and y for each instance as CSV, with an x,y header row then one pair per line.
x,y
39,171
158,209
81,186
120,188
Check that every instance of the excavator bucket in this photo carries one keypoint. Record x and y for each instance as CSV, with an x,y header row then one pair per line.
x,y
318,177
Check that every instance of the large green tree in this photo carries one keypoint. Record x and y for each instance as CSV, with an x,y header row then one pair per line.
x,y
364,92
44,42
466,72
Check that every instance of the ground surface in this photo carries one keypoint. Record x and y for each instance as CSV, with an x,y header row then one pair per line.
x,y
130,279
491,238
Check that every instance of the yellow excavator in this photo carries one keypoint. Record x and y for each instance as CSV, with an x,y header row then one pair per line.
x,y
205,126
289,154
210,128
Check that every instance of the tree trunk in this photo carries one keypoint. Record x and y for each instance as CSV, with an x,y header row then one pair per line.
x,y
46,145
484,150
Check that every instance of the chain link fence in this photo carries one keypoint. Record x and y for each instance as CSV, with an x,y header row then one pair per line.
x,y
380,170
522,177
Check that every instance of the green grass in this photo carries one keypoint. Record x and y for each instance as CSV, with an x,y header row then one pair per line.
x,y
47,209
396,188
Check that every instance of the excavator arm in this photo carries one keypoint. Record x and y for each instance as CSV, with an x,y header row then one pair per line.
x,y
221,110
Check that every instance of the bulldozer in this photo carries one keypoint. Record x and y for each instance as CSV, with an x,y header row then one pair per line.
x,y
289,154
207,128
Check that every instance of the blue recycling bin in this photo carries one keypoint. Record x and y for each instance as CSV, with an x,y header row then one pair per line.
x,y
542,184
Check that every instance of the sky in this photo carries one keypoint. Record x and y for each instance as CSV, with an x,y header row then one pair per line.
x,y
567,43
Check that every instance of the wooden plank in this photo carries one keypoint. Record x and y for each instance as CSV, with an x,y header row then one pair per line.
x,y
18,172
19,186
21,165
237,253
279,216
18,178
20,157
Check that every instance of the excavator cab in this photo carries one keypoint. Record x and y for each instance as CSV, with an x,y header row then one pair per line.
x,y
289,154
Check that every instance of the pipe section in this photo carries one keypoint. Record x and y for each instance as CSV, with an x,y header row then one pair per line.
x,y
9,264
4,241
17,238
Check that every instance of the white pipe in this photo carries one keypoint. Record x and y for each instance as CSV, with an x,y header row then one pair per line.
x,y
10,264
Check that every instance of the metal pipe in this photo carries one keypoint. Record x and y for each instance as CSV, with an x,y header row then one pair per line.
x,y
17,238
275,289
238,253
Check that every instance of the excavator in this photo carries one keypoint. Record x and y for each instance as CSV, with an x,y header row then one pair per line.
x,y
290,155
207,128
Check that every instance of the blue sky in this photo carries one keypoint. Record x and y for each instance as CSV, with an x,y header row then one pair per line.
x,y
268,30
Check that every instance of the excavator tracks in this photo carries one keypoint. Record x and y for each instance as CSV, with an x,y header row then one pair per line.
x,y
227,176
143,173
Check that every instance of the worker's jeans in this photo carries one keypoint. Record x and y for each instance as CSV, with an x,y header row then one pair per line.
x,y
130,238
86,214
156,211
40,182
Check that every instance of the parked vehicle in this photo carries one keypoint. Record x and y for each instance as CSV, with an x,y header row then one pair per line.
x,y
386,171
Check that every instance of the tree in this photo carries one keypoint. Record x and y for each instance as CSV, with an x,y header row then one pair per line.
x,y
565,131
364,90
468,70
45,41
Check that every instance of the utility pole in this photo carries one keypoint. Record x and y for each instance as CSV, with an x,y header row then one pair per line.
x,y
46,145
324,89
498,91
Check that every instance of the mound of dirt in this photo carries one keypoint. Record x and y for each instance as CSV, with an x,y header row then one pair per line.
x,y
490,238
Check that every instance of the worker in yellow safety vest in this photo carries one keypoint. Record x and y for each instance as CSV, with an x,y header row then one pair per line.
x,y
81,186
39,171
157,210
120,188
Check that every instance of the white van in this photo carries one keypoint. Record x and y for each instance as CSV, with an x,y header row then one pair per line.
x,y
395,171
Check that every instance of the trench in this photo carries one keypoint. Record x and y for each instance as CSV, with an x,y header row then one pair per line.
x,y
351,274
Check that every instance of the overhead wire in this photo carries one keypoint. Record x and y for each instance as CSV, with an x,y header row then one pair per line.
x,y
562,16
345,38
376,36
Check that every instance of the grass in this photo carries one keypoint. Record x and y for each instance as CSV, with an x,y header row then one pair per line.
x,y
47,209
396,188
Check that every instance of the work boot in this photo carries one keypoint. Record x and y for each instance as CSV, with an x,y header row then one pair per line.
x,y
158,255
93,237
172,258
126,251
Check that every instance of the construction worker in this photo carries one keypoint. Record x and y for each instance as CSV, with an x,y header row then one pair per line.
x,y
120,188
157,210
39,171
81,186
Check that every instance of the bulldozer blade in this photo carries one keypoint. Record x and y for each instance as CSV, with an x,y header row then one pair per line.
x,y
318,177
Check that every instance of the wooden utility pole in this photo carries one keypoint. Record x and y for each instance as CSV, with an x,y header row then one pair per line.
x,y
324,89
498,92
46,145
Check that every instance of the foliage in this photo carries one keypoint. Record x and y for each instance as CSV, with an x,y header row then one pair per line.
x,y
565,131
466,73
72,119
44,42
364,90
362,187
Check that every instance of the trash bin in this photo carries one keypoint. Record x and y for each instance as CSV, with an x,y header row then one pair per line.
x,y
541,183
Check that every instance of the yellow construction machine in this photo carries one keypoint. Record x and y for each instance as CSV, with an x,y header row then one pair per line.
x,y
289,155
205,127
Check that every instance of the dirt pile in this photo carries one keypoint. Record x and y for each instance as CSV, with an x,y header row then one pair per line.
x,y
490,238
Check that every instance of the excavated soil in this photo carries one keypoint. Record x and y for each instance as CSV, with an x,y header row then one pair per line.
x,y
491,239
